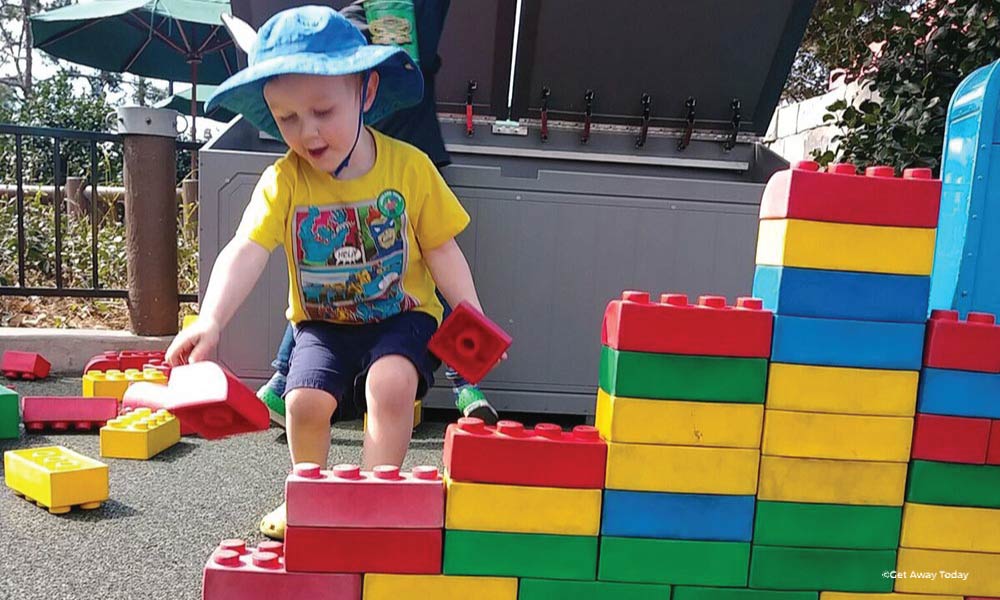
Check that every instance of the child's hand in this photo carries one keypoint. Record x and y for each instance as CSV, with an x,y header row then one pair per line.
x,y
194,344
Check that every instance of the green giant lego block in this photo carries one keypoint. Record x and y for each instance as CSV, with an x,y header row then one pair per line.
x,y
10,414
714,593
954,484
835,570
520,555
644,560
552,589
827,525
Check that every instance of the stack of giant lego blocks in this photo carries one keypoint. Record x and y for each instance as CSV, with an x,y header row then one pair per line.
x,y
951,519
844,261
681,404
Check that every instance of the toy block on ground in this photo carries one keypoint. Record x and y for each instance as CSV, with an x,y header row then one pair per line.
x,y
520,554
235,572
672,326
982,579
820,480
112,383
682,377
10,414
781,568
418,415
954,484
843,390
511,454
993,451
951,528
62,413
640,421
363,550
24,365
140,434
887,596
469,342
522,509
346,496
681,562
842,294
384,586
840,195
56,478
843,343
214,402
959,393
951,439
677,516
827,525
864,248
847,437
969,345
154,396
683,469
713,593
122,360
553,589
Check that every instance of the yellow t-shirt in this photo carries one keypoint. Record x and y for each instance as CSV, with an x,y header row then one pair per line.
x,y
355,247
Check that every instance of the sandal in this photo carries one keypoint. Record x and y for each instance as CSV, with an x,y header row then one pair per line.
x,y
273,523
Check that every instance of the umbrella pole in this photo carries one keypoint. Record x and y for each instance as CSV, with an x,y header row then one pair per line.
x,y
194,115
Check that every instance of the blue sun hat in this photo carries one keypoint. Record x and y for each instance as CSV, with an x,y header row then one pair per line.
x,y
317,40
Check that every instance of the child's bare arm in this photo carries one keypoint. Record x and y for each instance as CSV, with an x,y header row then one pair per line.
x,y
236,271
451,274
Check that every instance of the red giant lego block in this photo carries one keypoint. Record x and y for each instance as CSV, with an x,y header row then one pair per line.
x,y
61,413
469,342
363,550
993,451
24,365
123,360
235,572
950,439
970,345
840,195
511,454
348,497
672,326
208,400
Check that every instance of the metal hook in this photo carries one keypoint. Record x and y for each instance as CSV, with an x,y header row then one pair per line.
x,y
689,129
588,98
546,92
647,102
731,142
473,86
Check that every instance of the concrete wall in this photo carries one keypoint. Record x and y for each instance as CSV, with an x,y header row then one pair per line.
x,y
798,129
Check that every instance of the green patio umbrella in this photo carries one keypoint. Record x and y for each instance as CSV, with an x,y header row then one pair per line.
x,y
181,102
179,40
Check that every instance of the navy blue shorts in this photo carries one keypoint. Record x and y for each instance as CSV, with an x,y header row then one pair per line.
x,y
336,358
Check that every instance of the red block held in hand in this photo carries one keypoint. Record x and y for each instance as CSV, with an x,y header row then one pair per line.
x,y
511,454
469,342
363,550
62,413
24,365
672,326
970,345
154,396
950,439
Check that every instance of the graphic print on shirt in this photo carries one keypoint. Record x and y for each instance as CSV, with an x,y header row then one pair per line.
x,y
351,258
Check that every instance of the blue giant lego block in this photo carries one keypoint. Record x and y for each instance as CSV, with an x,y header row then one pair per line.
x,y
959,393
965,277
844,343
677,516
842,294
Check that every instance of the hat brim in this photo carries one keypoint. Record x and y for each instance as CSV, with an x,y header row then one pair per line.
x,y
400,82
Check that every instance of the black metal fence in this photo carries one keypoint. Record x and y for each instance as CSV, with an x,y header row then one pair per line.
x,y
93,143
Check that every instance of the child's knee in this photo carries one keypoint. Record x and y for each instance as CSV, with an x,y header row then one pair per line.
x,y
392,383
308,405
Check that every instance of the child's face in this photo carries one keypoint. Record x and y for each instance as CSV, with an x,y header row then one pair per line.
x,y
318,115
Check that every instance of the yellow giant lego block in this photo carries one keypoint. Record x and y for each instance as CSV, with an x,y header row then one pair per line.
x,y
56,478
982,572
522,509
846,437
640,421
831,481
418,415
380,586
845,247
683,469
140,434
889,596
113,382
842,390
932,527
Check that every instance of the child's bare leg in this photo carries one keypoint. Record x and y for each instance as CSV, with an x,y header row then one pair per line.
x,y
390,389
308,413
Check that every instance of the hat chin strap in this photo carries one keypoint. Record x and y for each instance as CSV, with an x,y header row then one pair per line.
x,y
361,122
